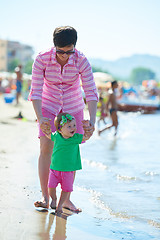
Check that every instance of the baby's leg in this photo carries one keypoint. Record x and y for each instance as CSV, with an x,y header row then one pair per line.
x,y
52,193
63,197
67,188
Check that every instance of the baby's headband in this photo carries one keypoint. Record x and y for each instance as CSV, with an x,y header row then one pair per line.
x,y
64,120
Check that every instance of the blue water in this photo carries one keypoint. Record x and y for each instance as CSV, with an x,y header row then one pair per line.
x,y
122,176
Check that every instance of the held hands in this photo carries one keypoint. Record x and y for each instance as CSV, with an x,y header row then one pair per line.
x,y
88,129
45,125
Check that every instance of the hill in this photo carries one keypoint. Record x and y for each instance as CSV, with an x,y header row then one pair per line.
x,y
123,66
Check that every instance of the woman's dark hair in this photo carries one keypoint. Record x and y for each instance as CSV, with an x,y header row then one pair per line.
x,y
64,36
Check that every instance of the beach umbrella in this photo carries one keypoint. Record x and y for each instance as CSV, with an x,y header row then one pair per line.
x,y
149,83
102,80
5,74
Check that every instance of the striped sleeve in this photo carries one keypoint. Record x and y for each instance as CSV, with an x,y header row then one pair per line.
x,y
37,79
88,83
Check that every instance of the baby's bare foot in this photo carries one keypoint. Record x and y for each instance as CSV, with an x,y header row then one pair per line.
x,y
70,206
53,204
58,211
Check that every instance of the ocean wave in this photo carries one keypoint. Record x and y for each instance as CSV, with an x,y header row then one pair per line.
x,y
95,164
153,223
151,173
129,178
96,199
126,178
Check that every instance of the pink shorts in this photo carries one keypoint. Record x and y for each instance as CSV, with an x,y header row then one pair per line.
x,y
78,116
66,180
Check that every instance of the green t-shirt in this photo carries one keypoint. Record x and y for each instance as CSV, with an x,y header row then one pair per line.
x,y
66,153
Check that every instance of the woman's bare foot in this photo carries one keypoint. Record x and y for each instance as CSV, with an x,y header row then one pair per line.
x,y
44,203
70,206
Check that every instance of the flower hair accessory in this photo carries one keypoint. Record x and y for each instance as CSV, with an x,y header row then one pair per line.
x,y
64,119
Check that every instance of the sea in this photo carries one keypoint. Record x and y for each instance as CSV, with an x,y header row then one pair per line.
x,y
121,177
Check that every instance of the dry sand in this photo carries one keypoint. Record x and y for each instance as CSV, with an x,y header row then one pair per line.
x,y
19,185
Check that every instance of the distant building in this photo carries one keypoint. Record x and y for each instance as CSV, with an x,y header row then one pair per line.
x,y
11,50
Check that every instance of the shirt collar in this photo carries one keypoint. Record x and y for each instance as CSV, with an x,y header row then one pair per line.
x,y
54,60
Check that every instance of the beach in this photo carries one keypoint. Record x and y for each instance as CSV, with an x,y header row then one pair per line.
x,y
19,184
117,189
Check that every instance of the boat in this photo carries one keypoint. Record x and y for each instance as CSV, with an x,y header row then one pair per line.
x,y
145,106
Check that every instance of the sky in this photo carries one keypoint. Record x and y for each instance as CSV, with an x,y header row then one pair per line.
x,y
107,29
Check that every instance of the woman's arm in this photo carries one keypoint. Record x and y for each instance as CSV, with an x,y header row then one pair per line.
x,y
43,121
37,105
91,94
89,127
92,108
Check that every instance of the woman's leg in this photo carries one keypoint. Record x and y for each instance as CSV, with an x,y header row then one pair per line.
x,y
46,149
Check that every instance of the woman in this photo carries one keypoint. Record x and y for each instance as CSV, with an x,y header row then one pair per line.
x,y
56,88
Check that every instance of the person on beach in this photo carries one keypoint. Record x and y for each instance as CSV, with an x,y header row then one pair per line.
x,y
18,71
102,111
65,158
111,107
56,88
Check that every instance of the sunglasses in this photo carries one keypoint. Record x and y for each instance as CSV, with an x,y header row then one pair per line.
x,y
63,52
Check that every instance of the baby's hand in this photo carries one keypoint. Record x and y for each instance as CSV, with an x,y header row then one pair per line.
x,y
88,128
45,125
48,131
85,123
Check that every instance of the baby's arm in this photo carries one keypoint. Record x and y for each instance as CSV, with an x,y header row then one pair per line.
x,y
85,135
48,133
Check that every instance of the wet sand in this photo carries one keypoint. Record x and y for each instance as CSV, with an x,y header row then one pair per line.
x,y
19,185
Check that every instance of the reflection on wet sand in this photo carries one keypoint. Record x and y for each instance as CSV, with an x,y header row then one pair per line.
x,y
53,227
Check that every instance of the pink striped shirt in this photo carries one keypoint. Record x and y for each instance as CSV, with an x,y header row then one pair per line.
x,y
62,91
